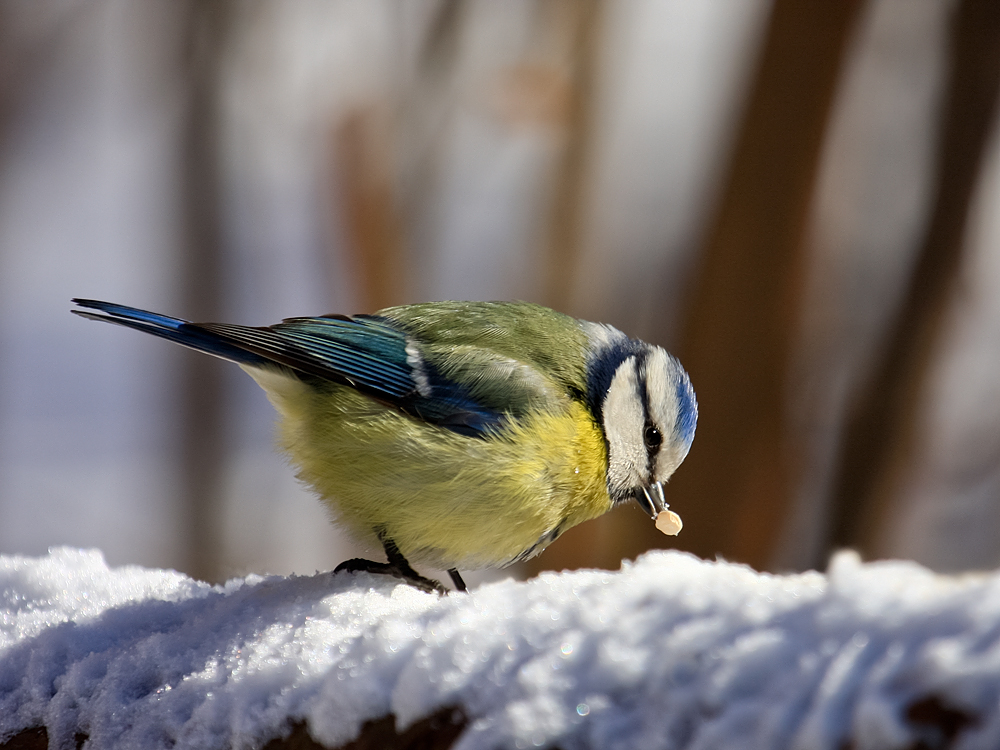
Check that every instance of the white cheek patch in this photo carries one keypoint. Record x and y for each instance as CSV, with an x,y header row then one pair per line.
x,y
624,420
670,457
661,397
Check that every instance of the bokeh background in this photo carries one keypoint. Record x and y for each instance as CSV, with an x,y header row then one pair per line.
x,y
799,199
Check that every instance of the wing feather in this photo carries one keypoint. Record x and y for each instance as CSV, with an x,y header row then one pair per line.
x,y
368,353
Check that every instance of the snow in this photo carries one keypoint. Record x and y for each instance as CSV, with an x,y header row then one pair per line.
x,y
671,651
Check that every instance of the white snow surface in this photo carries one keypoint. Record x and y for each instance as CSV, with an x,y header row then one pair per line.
x,y
669,652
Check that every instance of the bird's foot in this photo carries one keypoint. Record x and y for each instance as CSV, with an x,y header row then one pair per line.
x,y
405,572
456,578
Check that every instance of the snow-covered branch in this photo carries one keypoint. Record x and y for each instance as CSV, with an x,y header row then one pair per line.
x,y
670,652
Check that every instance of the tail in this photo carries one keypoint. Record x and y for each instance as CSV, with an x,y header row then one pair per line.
x,y
179,331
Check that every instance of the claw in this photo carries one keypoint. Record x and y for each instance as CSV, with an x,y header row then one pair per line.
x,y
410,576
400,568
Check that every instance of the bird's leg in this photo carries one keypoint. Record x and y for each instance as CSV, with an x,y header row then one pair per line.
x,y
456,578
402,567
397,566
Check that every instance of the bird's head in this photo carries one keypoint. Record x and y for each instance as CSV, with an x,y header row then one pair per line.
x,y
644,401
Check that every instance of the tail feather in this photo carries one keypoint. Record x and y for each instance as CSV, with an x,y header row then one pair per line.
x,y
179,331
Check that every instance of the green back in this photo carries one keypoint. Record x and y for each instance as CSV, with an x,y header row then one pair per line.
x,y
513,356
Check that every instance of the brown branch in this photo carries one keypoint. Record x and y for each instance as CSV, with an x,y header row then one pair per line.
x,y
880,430
363,168
567,213
733,490
202,414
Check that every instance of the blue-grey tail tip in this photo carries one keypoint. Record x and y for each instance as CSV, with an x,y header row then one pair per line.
x,y
177,330
115,313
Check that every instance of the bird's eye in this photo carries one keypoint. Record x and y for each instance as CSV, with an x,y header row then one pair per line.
x,y
652,437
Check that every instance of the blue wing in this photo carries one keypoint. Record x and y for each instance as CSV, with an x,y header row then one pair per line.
x,y
364,352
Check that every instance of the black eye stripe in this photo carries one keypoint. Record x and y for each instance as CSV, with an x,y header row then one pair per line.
x,y
652,438
640,385
603,368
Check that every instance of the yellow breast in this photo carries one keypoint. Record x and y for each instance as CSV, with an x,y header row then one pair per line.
x,y
445,499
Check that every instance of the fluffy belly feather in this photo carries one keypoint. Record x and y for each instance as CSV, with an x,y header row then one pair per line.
x,y
445,499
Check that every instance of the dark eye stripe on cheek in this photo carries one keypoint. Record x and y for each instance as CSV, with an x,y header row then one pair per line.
x,y
652,438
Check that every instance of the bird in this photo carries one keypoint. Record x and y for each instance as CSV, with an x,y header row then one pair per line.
x,y
458,435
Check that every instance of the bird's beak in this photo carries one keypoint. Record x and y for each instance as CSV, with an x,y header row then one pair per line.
x,y
651,499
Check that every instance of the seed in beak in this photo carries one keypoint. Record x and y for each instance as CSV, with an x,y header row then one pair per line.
x,y
652,500
669,523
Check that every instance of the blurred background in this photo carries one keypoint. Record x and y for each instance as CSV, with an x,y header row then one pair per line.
x,y
798,199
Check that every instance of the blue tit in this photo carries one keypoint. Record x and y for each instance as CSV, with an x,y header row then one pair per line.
x,y
459,434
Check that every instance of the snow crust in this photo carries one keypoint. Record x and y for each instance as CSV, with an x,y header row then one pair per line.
x,y
670,652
